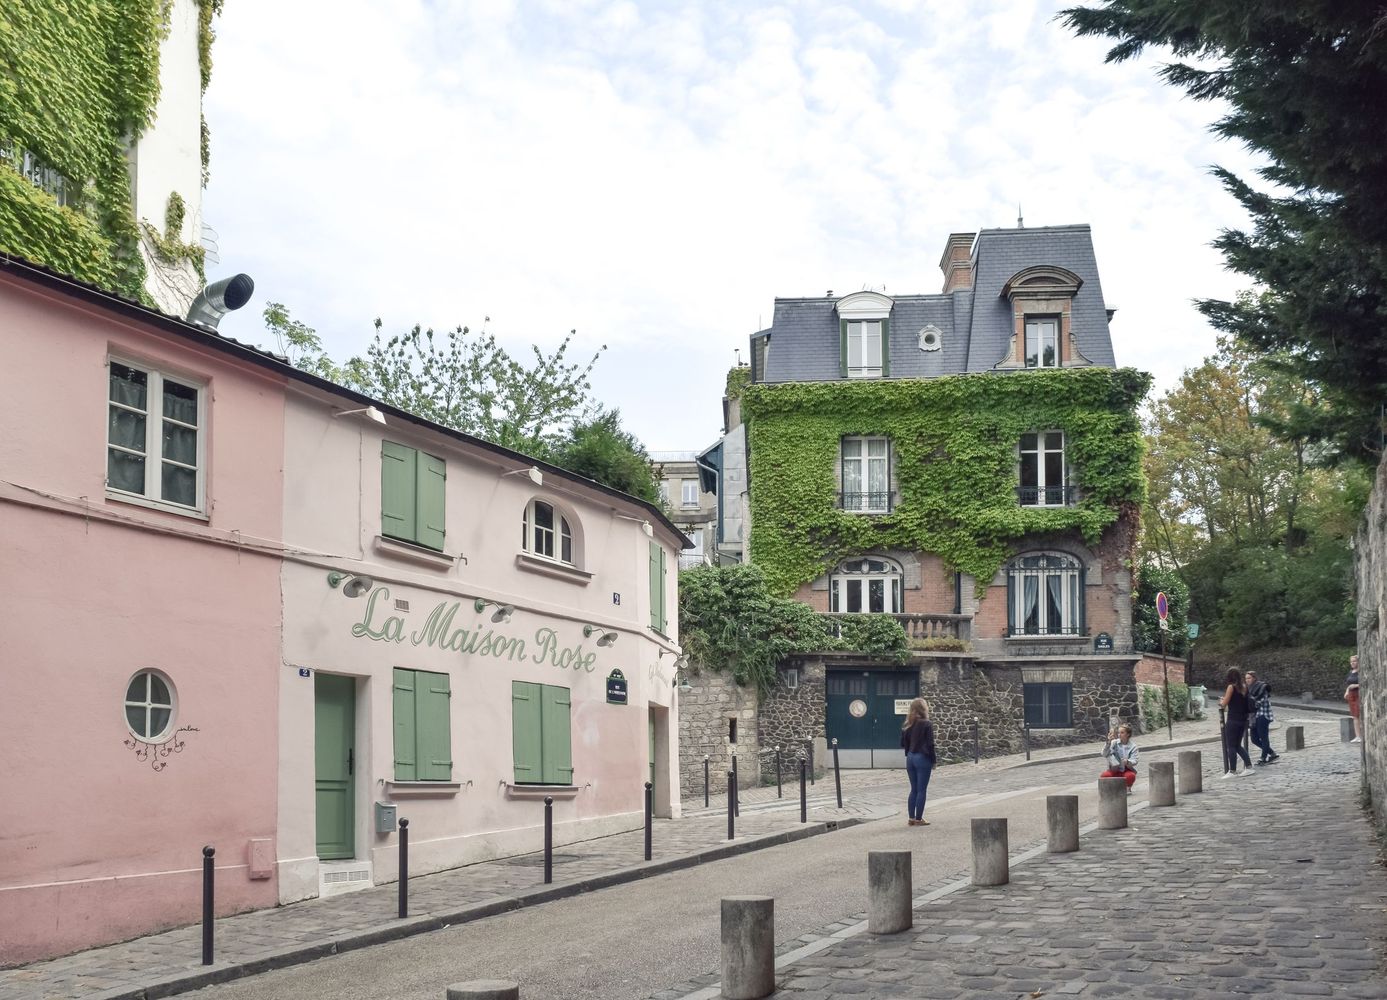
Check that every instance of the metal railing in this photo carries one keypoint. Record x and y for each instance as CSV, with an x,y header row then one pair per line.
x,y
1041,632
867,503
35,171
1045,496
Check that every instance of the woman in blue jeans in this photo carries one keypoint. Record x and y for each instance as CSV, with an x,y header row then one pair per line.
x,y
917,740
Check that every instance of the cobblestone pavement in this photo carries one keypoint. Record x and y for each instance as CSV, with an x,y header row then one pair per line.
x,y
167,963
1260,885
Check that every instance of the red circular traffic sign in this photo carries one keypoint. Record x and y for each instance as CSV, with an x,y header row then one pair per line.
x,y
1162,606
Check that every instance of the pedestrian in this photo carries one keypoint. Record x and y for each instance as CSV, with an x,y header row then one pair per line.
x,y
1259,699
1121,753
1235,701
917,740
1352,697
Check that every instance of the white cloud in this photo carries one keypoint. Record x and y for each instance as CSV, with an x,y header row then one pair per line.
x,y
654,174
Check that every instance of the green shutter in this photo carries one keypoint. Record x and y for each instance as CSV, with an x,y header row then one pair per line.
x,y
843,348
657,591
430,496
557,734
397,483
433,726
406,768
885,348
664,618
526,738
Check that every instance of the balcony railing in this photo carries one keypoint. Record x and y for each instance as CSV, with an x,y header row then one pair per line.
x,y
688,560
1043,632
867,503
936,626
1045,496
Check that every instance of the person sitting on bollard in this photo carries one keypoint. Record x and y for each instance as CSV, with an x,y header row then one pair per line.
x,y
1259,700
1121,754
917,740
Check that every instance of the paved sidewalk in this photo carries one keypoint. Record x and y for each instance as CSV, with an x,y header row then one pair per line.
x,y
1262,885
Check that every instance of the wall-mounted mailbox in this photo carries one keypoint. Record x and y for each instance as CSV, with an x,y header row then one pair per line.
x,y
385,818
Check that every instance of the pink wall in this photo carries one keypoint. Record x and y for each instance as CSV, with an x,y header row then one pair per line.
x,y
95,844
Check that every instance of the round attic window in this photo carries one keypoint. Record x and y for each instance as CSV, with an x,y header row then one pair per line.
x,y
931,339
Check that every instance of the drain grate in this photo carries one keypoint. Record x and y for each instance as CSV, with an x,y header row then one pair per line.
x,y
537,860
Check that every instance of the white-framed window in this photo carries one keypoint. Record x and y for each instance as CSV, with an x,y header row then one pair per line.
x,y
149,706
1044,478
1045,595
547,533
866,474
864,348
664,491
689,493
864,586
1042,346
790,676
155,437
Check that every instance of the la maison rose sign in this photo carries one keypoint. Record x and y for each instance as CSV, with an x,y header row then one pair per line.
x,y
438,632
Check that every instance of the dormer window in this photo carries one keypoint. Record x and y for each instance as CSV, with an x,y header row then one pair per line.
x,y
864,335
1042,300
1042,347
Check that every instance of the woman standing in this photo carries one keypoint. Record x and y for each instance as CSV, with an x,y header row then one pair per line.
x,y
1235,700
917,740
1351,695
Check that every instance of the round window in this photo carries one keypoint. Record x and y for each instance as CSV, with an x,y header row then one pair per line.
x,y
149,706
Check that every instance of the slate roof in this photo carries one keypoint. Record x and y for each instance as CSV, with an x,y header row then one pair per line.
x,y
975,323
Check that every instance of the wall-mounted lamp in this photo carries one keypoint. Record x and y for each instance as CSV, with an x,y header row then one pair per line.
x,y
645,525
369,412
681,681
352,585
502,612
603,638
533,472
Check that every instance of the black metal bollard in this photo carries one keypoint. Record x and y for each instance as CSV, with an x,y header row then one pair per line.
x,y
1223,739
731,798
977,747
705,781
837,777
803,796
810,745
735,789
1026,740
404,868
548,839
779,790
649,815
1247,738
208,887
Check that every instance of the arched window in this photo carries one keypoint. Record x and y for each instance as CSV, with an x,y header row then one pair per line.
x,y
1045,595
547,533
864,585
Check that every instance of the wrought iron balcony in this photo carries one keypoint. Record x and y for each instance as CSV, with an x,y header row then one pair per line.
x,y
1042,632
1046,496
867,503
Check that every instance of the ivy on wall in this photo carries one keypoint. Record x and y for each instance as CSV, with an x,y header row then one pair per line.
x,y
737,381
77,86
167,245
954,458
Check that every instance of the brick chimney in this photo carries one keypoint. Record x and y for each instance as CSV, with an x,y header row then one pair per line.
x,y
957,263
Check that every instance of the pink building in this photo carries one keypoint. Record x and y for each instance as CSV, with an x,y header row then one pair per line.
x,y
254,610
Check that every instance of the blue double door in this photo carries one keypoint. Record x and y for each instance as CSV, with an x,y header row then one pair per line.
x,y
864,712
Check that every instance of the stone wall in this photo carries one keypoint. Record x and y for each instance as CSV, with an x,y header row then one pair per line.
x,y
704,712
1289,671
1370,590
792,717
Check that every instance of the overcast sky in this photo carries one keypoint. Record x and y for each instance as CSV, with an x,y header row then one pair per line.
x,y
654,174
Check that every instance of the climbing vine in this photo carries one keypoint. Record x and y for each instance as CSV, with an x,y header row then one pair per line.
x,y
954,459
167,245
737,381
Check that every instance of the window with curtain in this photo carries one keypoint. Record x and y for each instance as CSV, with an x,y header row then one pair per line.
x,y
866,474
864,348
1042,347
1045,595
865,586
1043,472
546,533
154,437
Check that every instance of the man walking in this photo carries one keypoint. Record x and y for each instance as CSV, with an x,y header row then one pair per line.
x,y
1259,695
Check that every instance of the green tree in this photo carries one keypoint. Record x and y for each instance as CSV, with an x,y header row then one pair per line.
x,y
600,449
301,345
1303,83
1146,623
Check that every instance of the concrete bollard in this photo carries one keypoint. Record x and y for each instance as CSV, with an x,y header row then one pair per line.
x,y
1112,803
1345,730
1295,737
990,852
1162,783
1191,772
484,989
888,892
748,947
1062,821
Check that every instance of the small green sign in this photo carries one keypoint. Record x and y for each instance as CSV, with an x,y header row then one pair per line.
x,y
1192,629
616,688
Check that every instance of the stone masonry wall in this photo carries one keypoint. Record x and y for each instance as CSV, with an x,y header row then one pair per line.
x,y
790,717
704,712
1370,589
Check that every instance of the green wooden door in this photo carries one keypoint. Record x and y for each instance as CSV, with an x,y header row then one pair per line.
x,y
334,739
861,709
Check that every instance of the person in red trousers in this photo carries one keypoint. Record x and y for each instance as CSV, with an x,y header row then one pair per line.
x,y
1122,756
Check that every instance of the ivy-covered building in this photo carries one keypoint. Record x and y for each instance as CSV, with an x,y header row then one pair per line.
x,y
969,462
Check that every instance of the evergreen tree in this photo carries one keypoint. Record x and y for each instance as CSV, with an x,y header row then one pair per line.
x,y
1305,82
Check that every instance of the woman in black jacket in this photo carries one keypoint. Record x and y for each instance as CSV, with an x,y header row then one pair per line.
x,y
917,740
1235,701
